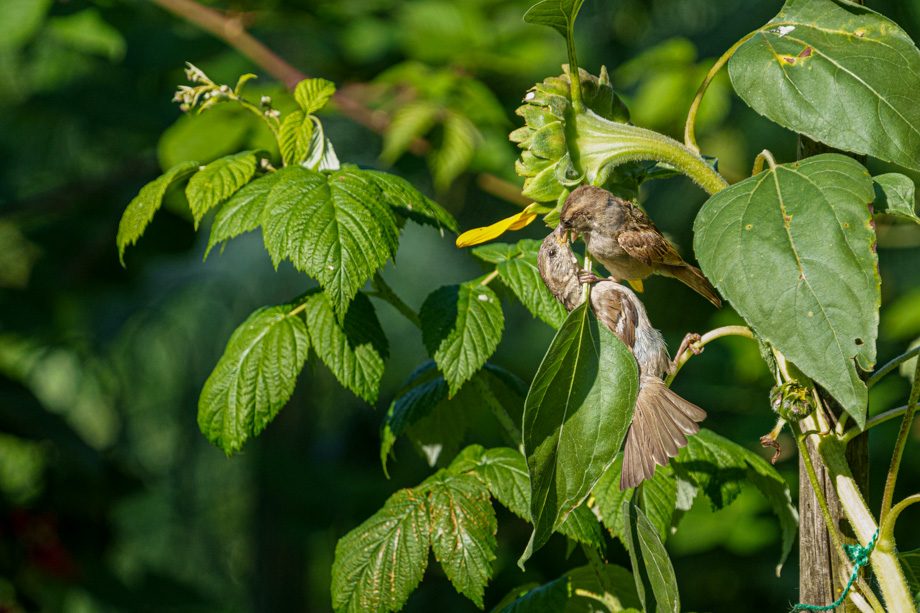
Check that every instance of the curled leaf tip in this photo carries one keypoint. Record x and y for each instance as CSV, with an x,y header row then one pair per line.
x,y
481,235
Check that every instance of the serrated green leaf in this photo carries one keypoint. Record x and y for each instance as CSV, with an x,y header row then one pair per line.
x,y
793,250
495,252
218,181
408,408
894,195
609,499
513,595
411,121
421,410
557,14
576,415
143,207
524,280
585,579
720,468
552,596
353,349
408,201
581,525
243,212
454,152
658,500
461,327
508,379
254,378
838,73
313,94
650,562
463,527
379,563
331,226
503,470
294,137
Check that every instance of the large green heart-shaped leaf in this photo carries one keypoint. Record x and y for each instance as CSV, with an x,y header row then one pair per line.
x,y
838,73
254,378
793,249
333,226
576,415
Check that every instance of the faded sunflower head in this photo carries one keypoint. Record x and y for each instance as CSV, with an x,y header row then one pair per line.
x,y
548,162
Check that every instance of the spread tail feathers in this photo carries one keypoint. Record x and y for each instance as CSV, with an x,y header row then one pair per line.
x,y
694,278
660,427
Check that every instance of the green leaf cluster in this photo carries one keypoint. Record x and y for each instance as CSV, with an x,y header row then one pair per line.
x,y
257,373
459,115
379,563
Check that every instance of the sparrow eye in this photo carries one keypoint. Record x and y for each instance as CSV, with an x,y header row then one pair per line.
x,y
552,253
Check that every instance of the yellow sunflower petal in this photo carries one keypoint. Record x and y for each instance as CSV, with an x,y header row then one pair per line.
x,y
636,284
481,235
523,221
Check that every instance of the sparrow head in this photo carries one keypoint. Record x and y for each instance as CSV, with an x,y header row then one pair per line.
x,y
588,205
556,262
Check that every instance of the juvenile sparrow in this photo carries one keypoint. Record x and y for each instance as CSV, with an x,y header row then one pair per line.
x,y
623,239
662,419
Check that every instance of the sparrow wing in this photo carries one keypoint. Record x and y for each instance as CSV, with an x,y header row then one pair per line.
x,y
642,240
649,247
618,314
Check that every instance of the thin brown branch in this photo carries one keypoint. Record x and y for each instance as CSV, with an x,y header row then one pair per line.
x,y
232,32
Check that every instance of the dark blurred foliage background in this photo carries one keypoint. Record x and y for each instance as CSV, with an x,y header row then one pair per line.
x,y
111,499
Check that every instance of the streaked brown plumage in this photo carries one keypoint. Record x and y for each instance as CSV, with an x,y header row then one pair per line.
x,y
623,239
662,419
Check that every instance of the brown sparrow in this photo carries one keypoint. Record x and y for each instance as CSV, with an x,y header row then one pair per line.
x,y
662,419
623,239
